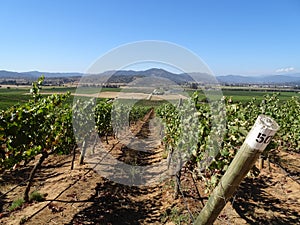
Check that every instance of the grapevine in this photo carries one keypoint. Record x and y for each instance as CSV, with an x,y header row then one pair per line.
x,y
212,156
40,127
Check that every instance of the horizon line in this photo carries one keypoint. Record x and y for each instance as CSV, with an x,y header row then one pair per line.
x,y
217,75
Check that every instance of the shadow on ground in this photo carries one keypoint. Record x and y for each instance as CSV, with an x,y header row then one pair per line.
x,y
257,206
119,204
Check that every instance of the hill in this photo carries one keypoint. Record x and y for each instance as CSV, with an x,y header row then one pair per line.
x,y
127,76
264,79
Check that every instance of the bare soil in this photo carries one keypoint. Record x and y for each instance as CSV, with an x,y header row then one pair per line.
x,y
83,196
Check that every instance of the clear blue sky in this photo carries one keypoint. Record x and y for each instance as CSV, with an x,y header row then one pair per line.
x,y
232,37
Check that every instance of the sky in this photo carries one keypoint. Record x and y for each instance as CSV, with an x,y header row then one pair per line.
x,y
232,37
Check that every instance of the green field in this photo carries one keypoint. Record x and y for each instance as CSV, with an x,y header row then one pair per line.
x,y
245,96
13,96
18,95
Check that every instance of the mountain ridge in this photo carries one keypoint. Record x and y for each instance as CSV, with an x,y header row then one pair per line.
x,y
262,79
129,75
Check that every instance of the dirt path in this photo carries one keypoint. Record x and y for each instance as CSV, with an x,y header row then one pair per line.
x,y
114,203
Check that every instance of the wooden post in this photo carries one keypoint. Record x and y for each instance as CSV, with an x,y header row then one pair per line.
x,y
83,150
256,141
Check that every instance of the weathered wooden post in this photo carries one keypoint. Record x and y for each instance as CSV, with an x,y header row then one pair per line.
x,y
256,141
83,151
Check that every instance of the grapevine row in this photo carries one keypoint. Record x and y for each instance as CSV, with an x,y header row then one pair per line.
x,y
216,144
47,125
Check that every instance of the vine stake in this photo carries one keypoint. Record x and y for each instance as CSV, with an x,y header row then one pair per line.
x,y
256,141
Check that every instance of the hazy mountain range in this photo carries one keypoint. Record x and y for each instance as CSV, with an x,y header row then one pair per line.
x,y
263,79
127,76
34,74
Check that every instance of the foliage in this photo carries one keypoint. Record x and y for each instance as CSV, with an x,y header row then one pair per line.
x,y
43,124
218,143
138,112
123,114
83,120
103,118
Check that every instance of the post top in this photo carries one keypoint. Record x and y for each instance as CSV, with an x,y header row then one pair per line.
x,y
268,122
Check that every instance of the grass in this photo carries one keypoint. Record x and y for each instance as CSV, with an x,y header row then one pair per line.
x,y
175,215
36,196
16,204
13,96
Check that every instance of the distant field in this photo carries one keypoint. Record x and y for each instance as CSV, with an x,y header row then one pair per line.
x,y
10,96
86,90
13,96
17,95
245,96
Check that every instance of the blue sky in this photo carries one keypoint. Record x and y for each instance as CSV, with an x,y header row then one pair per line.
x,y
232,37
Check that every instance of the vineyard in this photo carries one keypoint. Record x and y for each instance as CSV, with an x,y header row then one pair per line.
x,y
45,144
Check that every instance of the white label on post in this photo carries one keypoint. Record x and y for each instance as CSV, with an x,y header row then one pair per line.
x,y
261,133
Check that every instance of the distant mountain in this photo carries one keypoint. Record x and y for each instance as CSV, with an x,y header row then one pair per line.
x,y
34,75
48,74
178,78
264,79
127,76
14,75
120,76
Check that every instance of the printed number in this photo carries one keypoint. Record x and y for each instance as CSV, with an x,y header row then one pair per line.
x,y
263,138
